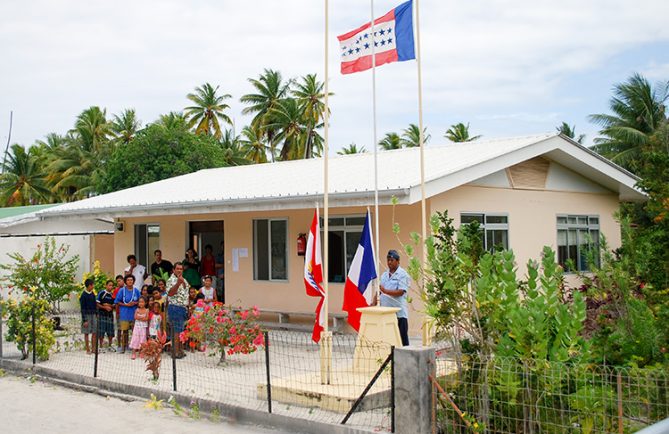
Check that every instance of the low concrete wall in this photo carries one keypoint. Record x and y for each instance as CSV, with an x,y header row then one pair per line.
x,y
239,414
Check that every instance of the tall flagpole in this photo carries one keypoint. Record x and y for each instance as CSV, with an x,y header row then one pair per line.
x,y
326,211
326,340
376,163
423,212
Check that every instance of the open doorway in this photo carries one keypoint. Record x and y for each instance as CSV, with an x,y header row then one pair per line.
x,y
207,239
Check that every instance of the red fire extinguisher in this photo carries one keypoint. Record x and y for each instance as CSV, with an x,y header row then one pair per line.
x,y
301,244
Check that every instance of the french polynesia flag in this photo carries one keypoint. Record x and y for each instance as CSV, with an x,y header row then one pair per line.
x,y
357,291
392,40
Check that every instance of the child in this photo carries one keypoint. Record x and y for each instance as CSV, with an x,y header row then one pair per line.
x,y
88,314
194,295
155,321
162,287
127,298
105,303
141,324
208,291
145,291
119,285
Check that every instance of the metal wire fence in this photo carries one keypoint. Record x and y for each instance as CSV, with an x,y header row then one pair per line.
x,y
286,376
509,396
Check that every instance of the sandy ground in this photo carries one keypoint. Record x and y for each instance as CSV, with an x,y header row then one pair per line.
x,y
44,408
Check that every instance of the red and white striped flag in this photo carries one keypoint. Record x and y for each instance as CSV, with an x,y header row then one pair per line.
x,y
313,275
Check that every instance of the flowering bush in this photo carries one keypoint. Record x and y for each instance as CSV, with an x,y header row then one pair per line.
x,y
19,324
151,351
228,331
98,276
48,271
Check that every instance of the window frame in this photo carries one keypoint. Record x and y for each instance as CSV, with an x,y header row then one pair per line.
x,y
490,226
256,250
345,229
567,226
148,253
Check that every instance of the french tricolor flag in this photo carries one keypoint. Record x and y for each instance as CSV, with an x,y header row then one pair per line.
x,y
392,41
357,291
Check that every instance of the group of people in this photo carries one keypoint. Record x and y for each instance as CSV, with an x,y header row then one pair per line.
x,y
143,310
147,309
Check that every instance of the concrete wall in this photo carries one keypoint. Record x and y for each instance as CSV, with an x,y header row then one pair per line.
x,y
532,213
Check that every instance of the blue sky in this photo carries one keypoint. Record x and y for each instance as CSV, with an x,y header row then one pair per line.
x,y
508,67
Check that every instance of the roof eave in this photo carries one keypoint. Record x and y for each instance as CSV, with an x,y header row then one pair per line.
x,y
361,198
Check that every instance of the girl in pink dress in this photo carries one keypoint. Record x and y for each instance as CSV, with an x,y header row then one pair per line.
x,y
140,328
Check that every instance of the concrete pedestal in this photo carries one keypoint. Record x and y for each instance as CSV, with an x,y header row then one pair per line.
x,y
378,332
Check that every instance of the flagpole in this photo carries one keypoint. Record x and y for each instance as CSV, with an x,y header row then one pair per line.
x,y
426,334
376,163
326,211
326,343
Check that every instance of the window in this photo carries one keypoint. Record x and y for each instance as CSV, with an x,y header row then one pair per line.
x,y
576,235
147,240
343,241
495,229
270,249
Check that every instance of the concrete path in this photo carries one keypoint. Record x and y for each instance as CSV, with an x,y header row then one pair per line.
x,y
28,408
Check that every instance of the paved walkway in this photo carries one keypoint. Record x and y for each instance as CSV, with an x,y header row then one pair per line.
x,y
29,408
240,381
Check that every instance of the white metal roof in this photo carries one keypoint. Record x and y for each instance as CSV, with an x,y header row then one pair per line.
x,y
297,184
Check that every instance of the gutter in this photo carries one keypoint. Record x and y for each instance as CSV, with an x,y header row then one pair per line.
x,y
56,234
231,203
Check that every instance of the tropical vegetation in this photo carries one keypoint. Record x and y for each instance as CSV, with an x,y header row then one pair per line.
x,y
104,153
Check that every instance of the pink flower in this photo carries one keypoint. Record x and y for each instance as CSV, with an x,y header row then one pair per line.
x,y
233,330
259,340
256,312
244,314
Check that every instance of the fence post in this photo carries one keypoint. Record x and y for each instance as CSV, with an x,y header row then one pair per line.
x,y
269,383
392,389
1,335
97,339
619,389
34,336
413,389
174,358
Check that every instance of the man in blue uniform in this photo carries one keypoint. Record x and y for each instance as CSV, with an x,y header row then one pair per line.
x,y
394,286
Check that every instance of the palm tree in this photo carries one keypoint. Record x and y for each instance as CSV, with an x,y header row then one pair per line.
x,y
253,147
390,141
638,110
232,152
460,133
309,94
209,108
172,121
93,129
411,136
570,131
23,181
352,149
79,165
269,90
75,171
287,119
125,126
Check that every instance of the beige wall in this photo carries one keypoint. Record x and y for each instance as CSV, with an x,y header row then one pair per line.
x,y
532,214
102,246
532,224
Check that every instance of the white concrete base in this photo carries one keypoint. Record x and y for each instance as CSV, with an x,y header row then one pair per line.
x,y
346,386
378,332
